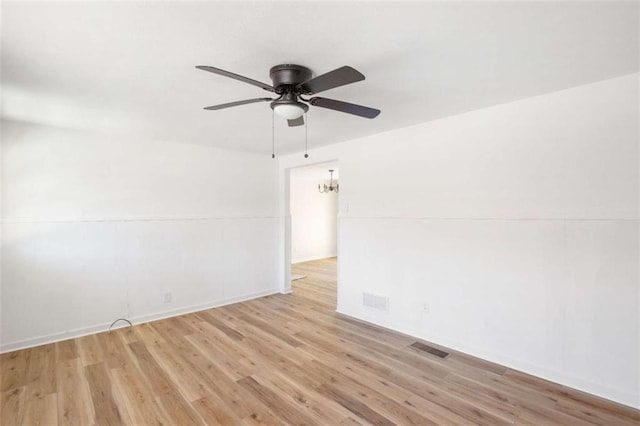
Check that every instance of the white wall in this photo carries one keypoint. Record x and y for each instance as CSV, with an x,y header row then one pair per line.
x,y
517,224
314,217
96,228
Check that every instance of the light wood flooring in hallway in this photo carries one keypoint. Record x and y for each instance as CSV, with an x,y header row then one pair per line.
x,y
281,359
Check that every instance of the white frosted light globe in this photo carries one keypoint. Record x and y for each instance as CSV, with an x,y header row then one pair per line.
x,y
288,111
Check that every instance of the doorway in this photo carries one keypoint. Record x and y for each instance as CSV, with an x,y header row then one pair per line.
x,y
313,207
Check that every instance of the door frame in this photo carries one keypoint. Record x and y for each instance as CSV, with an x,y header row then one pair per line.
x,y
286,187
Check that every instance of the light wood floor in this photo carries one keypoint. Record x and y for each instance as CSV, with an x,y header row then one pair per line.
x,y
278,359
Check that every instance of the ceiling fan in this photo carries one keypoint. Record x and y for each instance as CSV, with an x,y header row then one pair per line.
x,y
291,83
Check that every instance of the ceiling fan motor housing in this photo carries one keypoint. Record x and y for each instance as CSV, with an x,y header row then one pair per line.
x,y
288,75
289,98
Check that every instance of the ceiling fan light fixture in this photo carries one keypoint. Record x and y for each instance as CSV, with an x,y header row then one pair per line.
x,y
289,111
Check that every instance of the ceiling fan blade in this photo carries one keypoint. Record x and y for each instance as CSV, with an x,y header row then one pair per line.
x,y
296,122
336,78
237,103
341,106
236,77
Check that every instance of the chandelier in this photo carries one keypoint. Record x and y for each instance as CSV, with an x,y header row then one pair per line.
x,y
323,189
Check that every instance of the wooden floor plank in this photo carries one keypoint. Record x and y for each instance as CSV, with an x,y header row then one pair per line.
x,y
354,405
154,374
104,405
66,350
89,349
286,411
383,404
139,401
41,372
188,382
220,325
13,369
41,410
215,411
112,347
307,398
75,406
12,407
179,411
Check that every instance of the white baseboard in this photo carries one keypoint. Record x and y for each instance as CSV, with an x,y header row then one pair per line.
x,y
141,319
616,395
309,259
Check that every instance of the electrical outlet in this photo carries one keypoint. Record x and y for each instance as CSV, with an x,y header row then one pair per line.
x,y
425,307
167,298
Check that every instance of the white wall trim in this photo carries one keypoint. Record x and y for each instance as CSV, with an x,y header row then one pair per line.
x,y
133,219
610,394
496,218
329,256
98,328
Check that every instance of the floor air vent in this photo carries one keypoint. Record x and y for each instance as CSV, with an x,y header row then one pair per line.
x,y
426,348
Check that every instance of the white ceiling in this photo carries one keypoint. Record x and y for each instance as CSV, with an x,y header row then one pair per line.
x,y
128,68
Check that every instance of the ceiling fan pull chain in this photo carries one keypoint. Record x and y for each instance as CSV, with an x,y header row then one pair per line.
x,y
306,123
273,134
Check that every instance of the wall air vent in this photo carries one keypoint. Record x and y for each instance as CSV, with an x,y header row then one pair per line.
x,y
374,301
